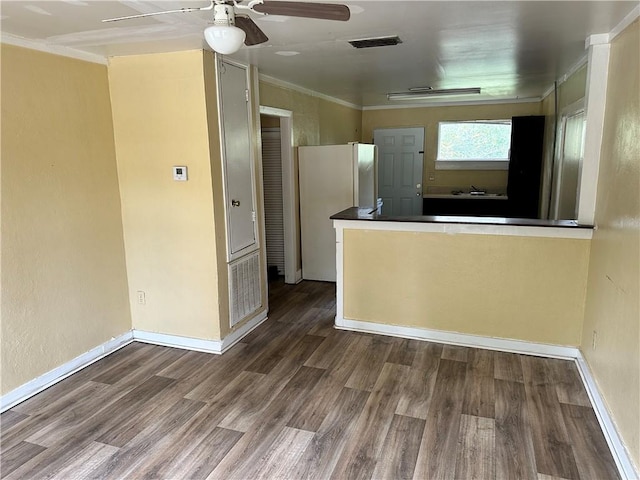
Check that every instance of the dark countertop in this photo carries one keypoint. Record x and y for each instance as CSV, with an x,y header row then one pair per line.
x,y
371,214
465,196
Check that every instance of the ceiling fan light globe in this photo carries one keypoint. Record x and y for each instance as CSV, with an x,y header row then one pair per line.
x,y
224,39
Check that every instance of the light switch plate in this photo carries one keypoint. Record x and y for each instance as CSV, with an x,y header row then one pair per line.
x,y
180,174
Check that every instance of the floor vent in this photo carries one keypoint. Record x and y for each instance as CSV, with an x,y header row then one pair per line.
x,y
375,42
244,287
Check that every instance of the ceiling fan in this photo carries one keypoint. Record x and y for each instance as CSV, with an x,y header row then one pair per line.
x,y
229,31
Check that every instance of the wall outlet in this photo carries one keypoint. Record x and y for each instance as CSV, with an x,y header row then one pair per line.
x,y
594,340
142,298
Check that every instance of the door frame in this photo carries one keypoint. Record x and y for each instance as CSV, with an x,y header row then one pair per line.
x,y
556,184
291,273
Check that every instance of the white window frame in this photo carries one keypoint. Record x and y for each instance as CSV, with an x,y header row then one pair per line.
x,y
444,164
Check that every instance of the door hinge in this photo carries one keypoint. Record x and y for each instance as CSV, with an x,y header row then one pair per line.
x,y
253,215
246,94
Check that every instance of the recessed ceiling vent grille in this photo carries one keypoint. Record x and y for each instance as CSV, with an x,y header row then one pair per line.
x,y
376,42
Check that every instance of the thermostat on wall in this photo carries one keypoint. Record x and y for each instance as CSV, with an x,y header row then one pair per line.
x,y
180,174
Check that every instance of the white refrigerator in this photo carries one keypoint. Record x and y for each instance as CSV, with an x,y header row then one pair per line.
x,y
332,178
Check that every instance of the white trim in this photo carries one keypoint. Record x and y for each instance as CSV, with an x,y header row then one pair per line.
x,y
595,103
465,228
217,347
472,164
297,88
238,334
288,189
596,39
52,377
616,445
626,21
42,46
445,103
298,276
177,341
339,272
614,441
463,339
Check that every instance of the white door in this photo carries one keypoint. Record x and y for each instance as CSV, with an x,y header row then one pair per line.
x,y
566,184
400,162
238,162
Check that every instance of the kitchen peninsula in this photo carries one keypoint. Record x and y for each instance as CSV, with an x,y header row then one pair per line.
x,y
496,282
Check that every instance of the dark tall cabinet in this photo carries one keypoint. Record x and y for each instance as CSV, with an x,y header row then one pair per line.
x,y
525,166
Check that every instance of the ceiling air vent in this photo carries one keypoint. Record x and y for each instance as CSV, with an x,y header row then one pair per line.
x,y
376,42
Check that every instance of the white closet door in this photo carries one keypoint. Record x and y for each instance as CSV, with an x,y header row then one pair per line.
x,y
272,178
238,162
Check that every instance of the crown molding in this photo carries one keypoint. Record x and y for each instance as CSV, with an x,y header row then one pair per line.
x,y
626,21
292,86
43,46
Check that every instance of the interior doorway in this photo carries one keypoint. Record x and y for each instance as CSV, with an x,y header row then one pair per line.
x,y
279,192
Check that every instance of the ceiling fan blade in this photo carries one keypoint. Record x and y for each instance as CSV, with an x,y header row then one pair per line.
x,y
323,11
254,34
142,15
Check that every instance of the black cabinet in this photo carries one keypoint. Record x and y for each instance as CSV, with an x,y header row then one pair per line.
x,y
525,166
469,207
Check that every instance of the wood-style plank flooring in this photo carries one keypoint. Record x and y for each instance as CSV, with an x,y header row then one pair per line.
x,y
298,399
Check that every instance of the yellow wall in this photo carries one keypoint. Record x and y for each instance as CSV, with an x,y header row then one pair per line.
x,y
315,121
613,295
160,120
64,284
429,117
338,124
523,288
573,88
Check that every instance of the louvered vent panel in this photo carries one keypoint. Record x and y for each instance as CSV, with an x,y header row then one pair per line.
x,y
272,180
244,287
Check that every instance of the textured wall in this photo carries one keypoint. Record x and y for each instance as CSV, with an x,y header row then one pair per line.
x,y
160,120
315,121
523,288
64,284
613,295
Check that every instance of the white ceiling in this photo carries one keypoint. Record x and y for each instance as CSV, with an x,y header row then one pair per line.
x,y
511,49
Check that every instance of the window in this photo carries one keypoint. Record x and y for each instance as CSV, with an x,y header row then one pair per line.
x,y
474,145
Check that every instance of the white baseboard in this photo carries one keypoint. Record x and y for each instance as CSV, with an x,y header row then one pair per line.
x,y
217,347
616,445
52,377
238,334
463,339
298,276
177,341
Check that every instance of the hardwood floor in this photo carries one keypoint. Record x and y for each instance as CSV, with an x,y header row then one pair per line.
x,y
298,399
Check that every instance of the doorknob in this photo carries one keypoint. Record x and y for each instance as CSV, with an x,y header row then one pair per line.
x,y
235,203
419,185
